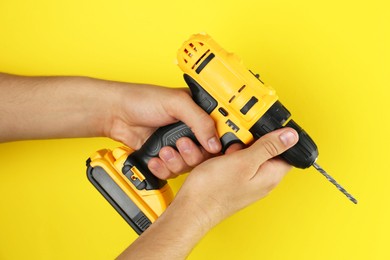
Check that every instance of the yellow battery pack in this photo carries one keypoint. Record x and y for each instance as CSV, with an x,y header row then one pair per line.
x,y
140,207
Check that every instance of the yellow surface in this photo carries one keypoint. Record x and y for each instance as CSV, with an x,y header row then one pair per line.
x,y
328,61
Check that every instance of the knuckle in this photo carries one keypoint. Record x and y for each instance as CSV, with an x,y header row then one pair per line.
x,y
182,96
271,184
195,156
206,120
192,162
167,174
178,167
274,175
268,184
175,168
162,174
176,101
270,148
172,176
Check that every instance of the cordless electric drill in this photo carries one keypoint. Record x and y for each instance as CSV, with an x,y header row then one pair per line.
x,y
243,108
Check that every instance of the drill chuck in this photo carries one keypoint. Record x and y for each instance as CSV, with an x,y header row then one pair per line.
x,y
304,153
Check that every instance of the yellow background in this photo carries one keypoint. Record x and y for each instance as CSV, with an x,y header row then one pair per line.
x,y
329,62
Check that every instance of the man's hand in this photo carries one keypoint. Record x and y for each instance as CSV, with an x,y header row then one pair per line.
x,y
144,108
223,185
214,190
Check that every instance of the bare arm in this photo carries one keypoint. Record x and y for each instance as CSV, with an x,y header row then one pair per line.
x,y
51,107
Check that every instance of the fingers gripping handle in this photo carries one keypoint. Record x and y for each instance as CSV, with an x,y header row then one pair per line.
x,y
164,136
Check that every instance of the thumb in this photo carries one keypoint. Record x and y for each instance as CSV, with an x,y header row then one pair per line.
x,y
273,144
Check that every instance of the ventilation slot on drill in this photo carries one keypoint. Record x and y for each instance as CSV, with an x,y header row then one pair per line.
x,y
188,54
205,62
201,57
244,110
242,88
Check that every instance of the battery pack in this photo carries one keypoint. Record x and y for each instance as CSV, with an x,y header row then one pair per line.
x,y
138,207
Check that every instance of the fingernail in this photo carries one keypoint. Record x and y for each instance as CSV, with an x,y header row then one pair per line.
x,y
155,166
184,147
167,155
214,145
287,138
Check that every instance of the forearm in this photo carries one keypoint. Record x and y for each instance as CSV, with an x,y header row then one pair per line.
x,y
52,107
175,233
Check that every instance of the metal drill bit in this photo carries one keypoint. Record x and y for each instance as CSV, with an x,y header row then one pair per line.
x,y
334,182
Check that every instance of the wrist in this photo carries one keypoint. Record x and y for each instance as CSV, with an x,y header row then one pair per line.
x,y
101,105
191,215
205,213
174,234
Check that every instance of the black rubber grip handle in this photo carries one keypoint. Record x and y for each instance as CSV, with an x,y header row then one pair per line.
x,y
164,136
